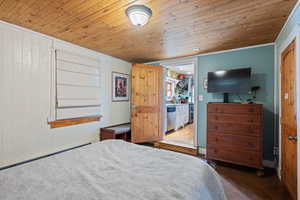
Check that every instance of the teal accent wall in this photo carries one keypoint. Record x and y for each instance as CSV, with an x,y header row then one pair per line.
x,y
261,61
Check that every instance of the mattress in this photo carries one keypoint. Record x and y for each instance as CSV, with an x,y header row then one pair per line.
x,y
112,170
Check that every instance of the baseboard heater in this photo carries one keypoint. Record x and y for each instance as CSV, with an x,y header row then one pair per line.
x,y
41,157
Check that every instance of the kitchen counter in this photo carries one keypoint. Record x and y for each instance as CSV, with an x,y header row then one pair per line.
x,y
179,116
176,104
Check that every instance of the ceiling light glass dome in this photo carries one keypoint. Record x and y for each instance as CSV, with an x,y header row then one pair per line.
x,y
139,15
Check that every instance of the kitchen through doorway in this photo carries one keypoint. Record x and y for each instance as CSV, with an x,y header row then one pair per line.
x,y
180,128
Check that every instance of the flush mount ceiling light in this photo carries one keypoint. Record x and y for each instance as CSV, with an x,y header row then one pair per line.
x,y
139,15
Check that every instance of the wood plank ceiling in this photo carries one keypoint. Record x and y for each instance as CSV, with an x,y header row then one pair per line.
x,y
178,27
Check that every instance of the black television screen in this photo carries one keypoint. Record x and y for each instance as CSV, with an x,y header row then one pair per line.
x,y
231,81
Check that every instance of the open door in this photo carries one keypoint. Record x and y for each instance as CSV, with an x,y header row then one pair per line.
x,y
288,120
146,108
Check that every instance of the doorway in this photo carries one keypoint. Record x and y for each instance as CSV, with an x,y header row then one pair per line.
x,y
180,105
158,98
288,120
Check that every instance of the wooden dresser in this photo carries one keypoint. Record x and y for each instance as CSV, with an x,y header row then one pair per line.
x,y
234,133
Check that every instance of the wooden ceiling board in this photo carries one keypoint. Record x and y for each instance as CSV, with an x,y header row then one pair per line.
x,y
176,28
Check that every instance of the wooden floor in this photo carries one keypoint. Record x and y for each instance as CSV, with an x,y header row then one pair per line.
x,y
181,140
242,184
184,136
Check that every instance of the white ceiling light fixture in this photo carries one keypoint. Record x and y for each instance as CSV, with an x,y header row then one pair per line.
x,y
139,15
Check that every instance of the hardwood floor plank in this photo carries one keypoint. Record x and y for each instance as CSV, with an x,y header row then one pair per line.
x,y
241,183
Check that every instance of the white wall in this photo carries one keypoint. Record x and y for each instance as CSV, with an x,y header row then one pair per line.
x,y
26,96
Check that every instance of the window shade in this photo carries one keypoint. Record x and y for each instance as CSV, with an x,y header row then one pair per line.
x,y
77,86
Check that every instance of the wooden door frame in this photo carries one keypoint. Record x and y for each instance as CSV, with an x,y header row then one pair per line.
x,y
185,61
294,35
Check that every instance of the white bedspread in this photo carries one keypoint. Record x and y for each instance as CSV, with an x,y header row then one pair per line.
x,y
112,170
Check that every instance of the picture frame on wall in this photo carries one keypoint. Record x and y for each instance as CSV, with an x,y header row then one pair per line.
x,y
120,86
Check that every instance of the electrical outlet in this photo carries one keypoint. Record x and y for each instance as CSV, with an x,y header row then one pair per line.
x,y
200,97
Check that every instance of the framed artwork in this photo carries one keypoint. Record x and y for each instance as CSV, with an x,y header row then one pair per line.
x,y
120,86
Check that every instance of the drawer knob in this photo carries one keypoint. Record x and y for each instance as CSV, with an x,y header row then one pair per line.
x,y
292,138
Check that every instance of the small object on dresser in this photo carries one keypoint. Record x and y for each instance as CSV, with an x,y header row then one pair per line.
x,y
253,91
116,132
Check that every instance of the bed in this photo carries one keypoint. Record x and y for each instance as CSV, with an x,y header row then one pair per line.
x,y
112,170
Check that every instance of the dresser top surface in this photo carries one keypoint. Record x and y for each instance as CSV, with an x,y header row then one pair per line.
x,y
234,103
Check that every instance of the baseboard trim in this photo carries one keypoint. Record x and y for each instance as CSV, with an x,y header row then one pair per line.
x,y
269,163
41,157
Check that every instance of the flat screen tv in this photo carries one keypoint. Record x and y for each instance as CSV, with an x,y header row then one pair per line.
x,y
230,81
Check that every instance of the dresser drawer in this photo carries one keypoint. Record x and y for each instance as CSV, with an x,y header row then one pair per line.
x,y
234,129
233,118
248,158
234,108
234,142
